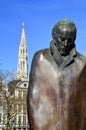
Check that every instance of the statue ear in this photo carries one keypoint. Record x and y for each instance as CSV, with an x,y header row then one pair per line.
x,y
55,43
52,47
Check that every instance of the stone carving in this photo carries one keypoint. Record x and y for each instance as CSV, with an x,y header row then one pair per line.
x,y
57,89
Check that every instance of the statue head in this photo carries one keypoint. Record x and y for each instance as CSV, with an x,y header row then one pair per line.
x,y
64,35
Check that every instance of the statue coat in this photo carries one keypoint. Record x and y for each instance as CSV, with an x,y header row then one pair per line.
x,y
57,97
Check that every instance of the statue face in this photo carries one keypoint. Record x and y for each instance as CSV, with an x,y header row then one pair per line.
x,y
66,37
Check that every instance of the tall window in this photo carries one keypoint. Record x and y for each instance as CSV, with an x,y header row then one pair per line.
x,y
0,117
19,108
19,120
23,51
14,121
20,93
23,64
24,94
24,109
4,118
24,119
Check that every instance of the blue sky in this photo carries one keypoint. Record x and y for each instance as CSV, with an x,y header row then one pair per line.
x,y
39,17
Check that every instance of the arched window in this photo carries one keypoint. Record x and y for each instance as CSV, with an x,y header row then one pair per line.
x,y
23,64
23,51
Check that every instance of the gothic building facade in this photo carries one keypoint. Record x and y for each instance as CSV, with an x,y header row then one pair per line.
x,y
22,77
15,103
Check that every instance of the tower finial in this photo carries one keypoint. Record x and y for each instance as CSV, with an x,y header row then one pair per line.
x,y
23,25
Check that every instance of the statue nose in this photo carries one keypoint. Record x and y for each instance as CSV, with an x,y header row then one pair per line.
x,y
65,42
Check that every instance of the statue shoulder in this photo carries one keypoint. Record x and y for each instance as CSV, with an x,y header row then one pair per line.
x,y
43,52
38,55
37,60
81,57
81,62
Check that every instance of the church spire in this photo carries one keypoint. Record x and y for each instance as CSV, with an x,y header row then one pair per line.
x,y
22,72
23,38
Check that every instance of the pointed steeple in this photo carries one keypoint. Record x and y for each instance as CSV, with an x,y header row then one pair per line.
x,y
22,72
23,38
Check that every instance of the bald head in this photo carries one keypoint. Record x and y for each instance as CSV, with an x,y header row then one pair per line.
x,y
64,34
64,24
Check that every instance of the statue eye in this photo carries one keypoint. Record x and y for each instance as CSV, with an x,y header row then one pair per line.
x,y
69,40
61,39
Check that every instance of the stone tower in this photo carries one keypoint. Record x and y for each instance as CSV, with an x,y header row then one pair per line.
x,y
22,70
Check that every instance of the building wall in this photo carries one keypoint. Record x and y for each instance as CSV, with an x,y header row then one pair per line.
x,y
21,119
15,104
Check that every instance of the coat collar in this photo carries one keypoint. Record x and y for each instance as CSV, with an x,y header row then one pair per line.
x,y
60,61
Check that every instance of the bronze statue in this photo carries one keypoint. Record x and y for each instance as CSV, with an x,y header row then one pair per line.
x,y
57,86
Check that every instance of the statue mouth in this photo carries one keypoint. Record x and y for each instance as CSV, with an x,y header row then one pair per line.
x,y
64,51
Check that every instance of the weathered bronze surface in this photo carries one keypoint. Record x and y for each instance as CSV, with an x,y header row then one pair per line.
x,y
57,87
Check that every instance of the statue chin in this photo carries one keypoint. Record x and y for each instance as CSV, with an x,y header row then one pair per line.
x,y
63,53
